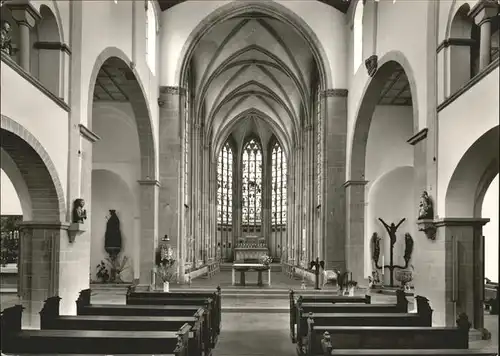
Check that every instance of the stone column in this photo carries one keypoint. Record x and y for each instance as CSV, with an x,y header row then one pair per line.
x,y
334,160
148,229
483,13
39,266
171,209
26,17
355,228
460,287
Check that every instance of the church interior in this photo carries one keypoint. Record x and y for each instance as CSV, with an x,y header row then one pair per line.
x,y
249,178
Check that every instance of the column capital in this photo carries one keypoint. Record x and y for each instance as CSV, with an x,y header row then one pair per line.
x,y
354,182
88,134
484,11
443,222
145,182
328,93
24,13
172,90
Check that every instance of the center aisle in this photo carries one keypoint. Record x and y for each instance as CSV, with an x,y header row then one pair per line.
x,y
254,334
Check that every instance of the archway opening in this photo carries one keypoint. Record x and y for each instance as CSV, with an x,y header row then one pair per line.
x,y
385,121
125,154
251,74
36,198
467,200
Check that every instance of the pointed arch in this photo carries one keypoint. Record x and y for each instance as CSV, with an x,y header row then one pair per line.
x,y
278,184
225,186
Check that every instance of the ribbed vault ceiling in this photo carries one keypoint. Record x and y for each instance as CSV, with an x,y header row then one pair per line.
x,y
253,66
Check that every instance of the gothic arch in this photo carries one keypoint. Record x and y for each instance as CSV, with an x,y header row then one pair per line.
x,y
270,8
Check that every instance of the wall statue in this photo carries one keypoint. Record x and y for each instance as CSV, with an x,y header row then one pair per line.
x,y
79,214
113,235
425,209
408,248
375,246
6,39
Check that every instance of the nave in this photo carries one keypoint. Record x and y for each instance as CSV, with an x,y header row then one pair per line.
x,y
255,321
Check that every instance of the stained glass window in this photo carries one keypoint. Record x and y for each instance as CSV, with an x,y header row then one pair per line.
x,y
278,185
319,147
252,184
225,186
186,146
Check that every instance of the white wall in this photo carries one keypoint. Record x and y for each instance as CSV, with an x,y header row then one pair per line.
x,y
109,191
118,153
391,199
490,231
386,147
40,115
413,45
106,24
11,204
461,124
327,23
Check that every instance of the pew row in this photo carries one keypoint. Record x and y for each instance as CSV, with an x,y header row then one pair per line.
x,y
322,340
83,307
312,297
17,341
423,318
401,306
134,297
50,319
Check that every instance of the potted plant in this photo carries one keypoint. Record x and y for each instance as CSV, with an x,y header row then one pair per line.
x,y
266,260
102,272
404,276
166,267
351,285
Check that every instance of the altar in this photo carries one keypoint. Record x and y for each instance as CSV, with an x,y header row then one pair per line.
x,y
250,248
247,267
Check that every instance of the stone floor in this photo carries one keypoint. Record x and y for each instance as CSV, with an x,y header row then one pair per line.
x,y
255,321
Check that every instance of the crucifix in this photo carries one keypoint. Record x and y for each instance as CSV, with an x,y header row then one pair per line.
x,y
391,230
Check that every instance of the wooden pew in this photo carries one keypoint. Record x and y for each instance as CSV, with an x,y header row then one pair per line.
x,y
322,340
308,297
422,318
17,341
401,306
83,307
50,319
181,298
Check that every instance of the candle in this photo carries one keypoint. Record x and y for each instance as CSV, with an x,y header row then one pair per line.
x,y
383,264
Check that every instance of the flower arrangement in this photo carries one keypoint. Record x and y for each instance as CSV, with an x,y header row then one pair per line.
x,y
352,284
266,260
166,266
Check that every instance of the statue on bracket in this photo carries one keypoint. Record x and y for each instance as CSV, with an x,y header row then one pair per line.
x,y
371,65
79,214
425,208
6,39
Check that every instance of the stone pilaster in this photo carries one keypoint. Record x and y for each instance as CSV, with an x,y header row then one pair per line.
x,y
26,17
334,168
40,266
457,266
149,190
171,210
355,228
483,13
